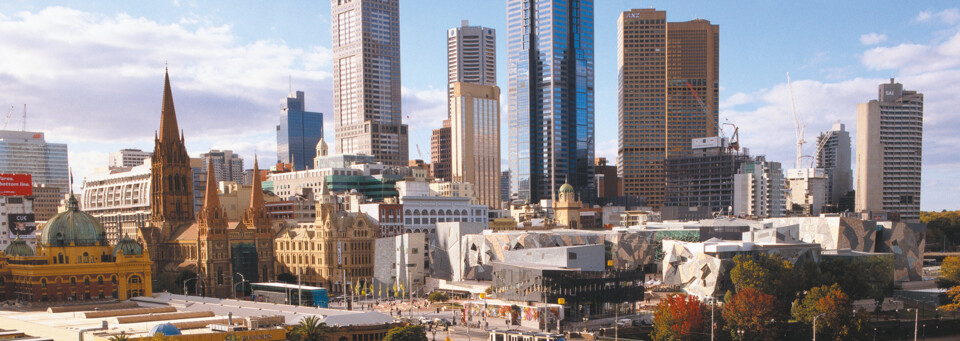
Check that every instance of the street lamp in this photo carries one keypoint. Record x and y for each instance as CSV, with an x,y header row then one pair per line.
x,y
740,332
916,322
242,287
185,284
815,326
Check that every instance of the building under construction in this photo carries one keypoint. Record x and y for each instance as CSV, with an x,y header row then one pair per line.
x,y
700,181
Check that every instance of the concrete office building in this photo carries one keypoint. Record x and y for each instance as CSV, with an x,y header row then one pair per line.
x,y
759,189
550,101
889,152
833,156
298,133
700,181
471,55
808,190
367,112
46,201
227,166
119,198
475,137
27,152
128,158
668,94
505,186
440,143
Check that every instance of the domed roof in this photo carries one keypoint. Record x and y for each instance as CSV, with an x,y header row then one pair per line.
x,y
19,247
73,226
166,329
127,247
566,188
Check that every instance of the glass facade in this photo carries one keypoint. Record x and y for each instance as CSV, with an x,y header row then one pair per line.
x,y
298,133
550,97
25,152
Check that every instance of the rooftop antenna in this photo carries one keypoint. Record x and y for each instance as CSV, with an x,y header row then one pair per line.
x,y
24,117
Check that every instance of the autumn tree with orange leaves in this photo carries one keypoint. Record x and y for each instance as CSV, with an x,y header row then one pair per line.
x,y
681,317
834,309
751,311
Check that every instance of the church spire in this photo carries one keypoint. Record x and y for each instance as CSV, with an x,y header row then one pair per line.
x,y
211,199
256,192
168,115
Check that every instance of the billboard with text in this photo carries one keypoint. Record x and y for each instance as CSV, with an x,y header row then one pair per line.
x,y
16,185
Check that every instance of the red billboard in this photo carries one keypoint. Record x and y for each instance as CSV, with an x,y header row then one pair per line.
x,y
16,185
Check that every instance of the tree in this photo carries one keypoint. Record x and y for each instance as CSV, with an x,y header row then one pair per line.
x,y
287,277
751,310
406,333
182,277
681,317
437,296
834,313
860,277
309,329
943,229
120,337
949,272
770,274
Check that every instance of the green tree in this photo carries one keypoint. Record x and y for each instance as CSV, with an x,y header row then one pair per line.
x,y
406,333
833,310
120,337
681,317
943,230
309,329
287,277
949,273
859,277
770,274
752,311
437,296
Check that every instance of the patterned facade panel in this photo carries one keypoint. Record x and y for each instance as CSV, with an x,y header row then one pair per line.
x,y
906,242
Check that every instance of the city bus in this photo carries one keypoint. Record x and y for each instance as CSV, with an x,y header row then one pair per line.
x,y
516,335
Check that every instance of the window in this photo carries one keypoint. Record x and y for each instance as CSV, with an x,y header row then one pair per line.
x,y
571,255
73,281
100,281
43,283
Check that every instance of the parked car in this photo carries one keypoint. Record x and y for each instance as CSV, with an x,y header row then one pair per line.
x,y
624,322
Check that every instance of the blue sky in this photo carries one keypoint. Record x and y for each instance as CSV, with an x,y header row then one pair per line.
x,y
91,71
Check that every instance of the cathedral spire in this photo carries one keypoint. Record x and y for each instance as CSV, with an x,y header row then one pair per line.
x,y
256,192
211,199
168,115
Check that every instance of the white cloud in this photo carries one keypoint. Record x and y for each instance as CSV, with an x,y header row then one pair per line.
x,y
608,149
948,16
424,111
872,38
915,58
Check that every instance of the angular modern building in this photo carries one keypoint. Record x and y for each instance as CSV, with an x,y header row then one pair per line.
x,y
298,133
889,152
550,101
471,55
27,152
475,139
833,156
366,80
668,94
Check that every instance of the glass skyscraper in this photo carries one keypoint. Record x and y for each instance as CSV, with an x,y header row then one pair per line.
x,y
298,133
550,97
26,152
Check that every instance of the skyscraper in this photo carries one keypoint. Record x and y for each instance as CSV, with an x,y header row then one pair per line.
x,y
440,162
668,90
550,100
298,133
471,55
475,139
833,156
759,189
27,152
128,157
366,80
889,152
227,166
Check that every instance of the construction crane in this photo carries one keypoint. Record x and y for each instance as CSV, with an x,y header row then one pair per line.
x,y
7,121
798,125
419,152
734,143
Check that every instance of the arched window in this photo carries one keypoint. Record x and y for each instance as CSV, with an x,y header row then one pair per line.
x,y
407,212
60,258
73,281
433,212
416,212
100,280
449,212
86,258
220,276
86,280
43,283
113,279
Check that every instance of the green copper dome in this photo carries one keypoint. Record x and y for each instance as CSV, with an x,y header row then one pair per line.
x,y
73,226
566,188
18,247
128,247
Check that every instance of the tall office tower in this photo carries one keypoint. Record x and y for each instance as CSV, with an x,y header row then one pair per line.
x,y
27,152
366,80
227,166
475,139
889,151
440,162
668,90
298,133
128,158
471,55
505,185
833,156
550,101
759,189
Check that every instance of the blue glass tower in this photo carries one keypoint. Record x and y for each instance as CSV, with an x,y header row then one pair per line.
x,y
298,133
550,98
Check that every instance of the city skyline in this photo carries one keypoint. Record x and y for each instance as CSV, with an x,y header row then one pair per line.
x,y
917,49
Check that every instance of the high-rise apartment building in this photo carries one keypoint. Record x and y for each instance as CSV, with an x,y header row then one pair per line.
x,y
759,189
550,99
128,158
298,133
366,80
227,166
833,156
27,152
475,139
668,94
889,152
440,158
471,55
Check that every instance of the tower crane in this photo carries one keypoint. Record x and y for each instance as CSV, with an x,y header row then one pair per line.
x,y
798,125
419,152
734,143
7,121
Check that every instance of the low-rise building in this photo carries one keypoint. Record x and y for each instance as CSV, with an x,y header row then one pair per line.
x,y
17,220
400,260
